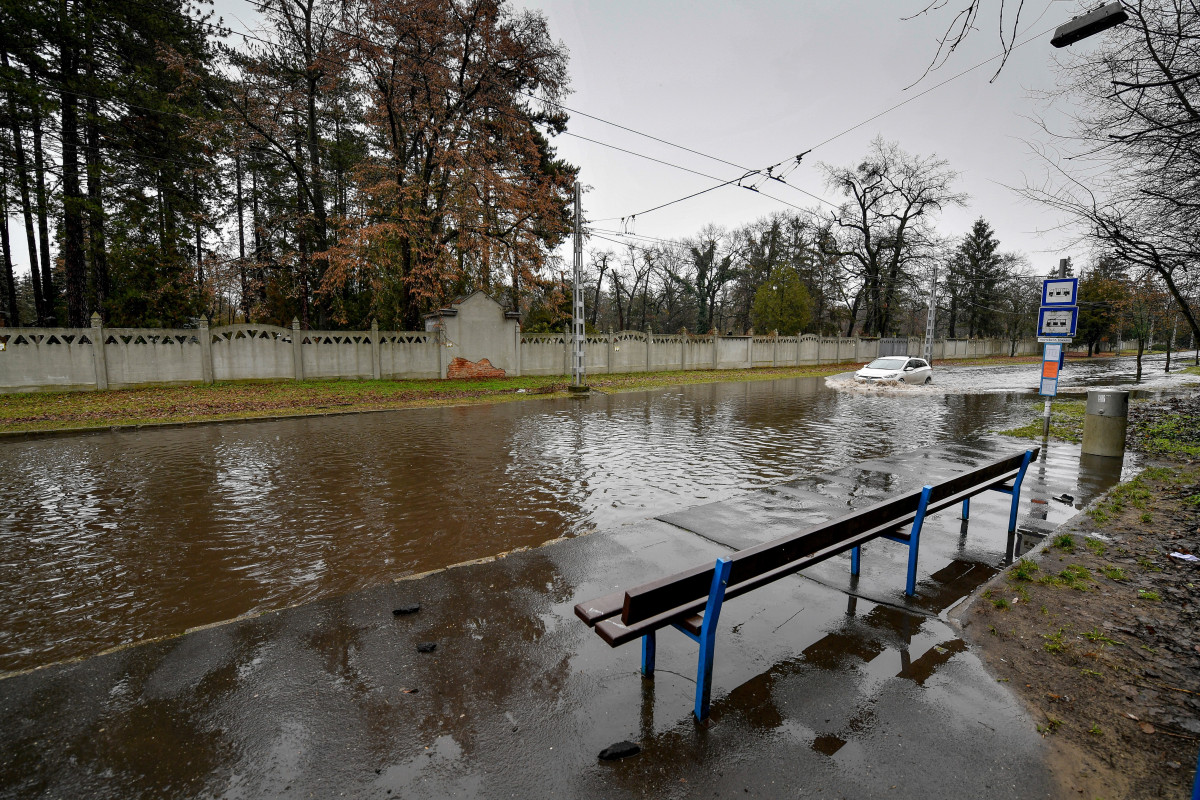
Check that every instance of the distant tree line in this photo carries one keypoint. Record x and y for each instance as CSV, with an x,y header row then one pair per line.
x,y
863,267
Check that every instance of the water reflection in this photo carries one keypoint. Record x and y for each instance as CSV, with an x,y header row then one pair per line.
x,y
125,535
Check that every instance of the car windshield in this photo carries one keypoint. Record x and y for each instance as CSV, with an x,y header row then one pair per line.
x,y
888,363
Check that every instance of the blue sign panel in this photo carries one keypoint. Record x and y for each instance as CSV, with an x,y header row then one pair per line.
x,y
1060,291
1053,321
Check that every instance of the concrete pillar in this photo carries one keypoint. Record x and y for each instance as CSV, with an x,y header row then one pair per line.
x,y
376,369
774,349
98,353
206,360
716,348
297,352
517,348
683,340
567,350
649,345
611,347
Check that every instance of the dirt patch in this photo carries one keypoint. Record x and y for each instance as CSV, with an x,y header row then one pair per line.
x,y
1096,631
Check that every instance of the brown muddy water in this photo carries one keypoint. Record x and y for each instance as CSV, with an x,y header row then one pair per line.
x,y
121,536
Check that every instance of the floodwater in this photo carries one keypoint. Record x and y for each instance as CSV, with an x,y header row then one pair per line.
x,y
122,536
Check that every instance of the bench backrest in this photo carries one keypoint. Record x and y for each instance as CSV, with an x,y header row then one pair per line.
x,y
691,586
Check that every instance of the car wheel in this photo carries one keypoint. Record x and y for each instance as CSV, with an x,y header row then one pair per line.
x,y
928,380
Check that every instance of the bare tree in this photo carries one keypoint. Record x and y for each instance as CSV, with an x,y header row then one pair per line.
x,y
1130,175
886,223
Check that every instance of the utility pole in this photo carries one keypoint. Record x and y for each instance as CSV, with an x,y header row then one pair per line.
x,y
931,319
577,363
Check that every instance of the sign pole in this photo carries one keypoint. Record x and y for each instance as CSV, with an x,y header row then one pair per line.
x,y
1066,298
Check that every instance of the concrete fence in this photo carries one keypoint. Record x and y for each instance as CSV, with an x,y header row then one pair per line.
x,y
635,351
34,359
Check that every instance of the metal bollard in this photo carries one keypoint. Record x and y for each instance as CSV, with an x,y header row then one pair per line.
x,y
1104,422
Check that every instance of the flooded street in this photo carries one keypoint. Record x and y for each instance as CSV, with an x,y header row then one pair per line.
x,y
122,536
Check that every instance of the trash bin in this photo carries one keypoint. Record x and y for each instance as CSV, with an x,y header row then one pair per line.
x,y
1104,422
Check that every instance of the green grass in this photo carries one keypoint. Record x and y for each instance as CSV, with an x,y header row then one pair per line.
x,y
1096,546
1094,635
1054,642
1066,421
1023,570
1136,493
48,411
1064,542
1146,594
1074,577
1114,573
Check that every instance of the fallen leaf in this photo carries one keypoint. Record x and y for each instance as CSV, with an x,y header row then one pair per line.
x,y
1146,727
1131,716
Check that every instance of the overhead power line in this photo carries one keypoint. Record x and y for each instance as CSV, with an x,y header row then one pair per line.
x,y
836,136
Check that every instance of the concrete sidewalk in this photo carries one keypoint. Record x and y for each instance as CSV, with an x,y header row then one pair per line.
x,y
822,687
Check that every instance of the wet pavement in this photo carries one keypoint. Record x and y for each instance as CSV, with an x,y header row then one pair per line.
x,y
816,693
824,685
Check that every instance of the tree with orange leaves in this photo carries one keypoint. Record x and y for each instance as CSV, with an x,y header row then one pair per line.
x,y
461,189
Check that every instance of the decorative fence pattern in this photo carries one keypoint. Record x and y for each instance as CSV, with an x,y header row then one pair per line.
x,y
98,358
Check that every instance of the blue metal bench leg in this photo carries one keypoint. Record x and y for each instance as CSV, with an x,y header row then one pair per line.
x,y
1016,492
854,561
914,541
708,636
966,514
649,644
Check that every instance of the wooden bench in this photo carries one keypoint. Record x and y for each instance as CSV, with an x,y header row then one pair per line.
x,y
691,601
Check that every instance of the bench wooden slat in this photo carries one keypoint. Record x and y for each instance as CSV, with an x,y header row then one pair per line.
x,y
592,611
672,592
616,632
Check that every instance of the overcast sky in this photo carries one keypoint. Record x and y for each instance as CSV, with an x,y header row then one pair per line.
x,y
757,82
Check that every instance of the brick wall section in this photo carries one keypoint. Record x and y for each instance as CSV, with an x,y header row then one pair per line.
x,y
461,368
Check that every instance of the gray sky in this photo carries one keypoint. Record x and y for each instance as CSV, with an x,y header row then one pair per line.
x,y
757,82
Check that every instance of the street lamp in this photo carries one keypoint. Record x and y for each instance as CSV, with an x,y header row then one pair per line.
x,y
1103,18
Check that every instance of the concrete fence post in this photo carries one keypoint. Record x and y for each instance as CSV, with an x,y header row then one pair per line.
x,y
683,334
517,348
206,357
98,352
297,353
611,347
376,369
716,348
649,345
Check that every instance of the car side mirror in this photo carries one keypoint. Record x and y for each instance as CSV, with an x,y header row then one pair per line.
x,y
908,369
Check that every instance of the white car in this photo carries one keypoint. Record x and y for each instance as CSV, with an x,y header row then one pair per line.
x,y
893,369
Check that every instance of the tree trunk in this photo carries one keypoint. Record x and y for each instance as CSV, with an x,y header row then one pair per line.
x,y
237,169
1171,341
200,281
1141,348
74,269
49,296
10,284
96,245
854,313
39,302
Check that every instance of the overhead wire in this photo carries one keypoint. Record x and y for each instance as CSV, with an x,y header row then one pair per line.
x,y
842,133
